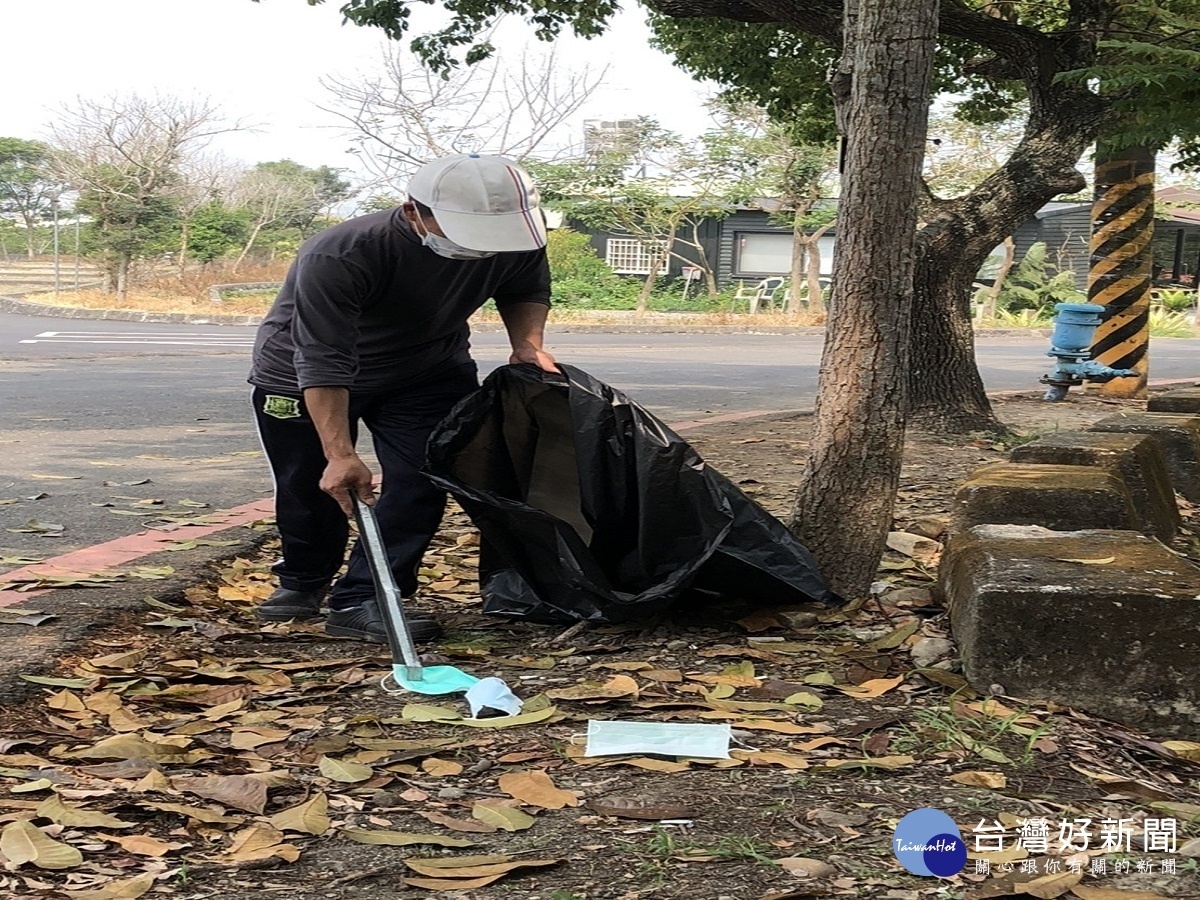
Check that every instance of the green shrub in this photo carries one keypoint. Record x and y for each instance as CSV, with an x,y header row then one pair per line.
x,y
1174,299
1025,318
620,293
1035,284
573,258
1165,323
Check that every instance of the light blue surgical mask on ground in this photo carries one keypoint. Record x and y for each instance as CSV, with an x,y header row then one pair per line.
x,y
606,738
445,247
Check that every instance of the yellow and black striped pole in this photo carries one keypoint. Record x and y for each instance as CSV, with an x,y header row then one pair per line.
x,y
1122,250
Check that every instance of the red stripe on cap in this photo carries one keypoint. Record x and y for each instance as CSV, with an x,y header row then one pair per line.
x,y
529,222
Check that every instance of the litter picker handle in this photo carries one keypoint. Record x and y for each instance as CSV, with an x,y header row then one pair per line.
x,y
388,594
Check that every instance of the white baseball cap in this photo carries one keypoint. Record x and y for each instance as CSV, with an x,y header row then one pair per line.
x,y
482,202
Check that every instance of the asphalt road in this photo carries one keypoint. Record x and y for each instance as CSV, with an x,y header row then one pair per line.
x,y
91,407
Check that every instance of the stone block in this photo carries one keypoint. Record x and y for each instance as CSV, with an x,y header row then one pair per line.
x,y
1137,458
1180,400
1063,498
1179,435
1116,636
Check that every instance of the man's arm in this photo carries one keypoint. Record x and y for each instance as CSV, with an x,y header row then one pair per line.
x,y
345,476
526,327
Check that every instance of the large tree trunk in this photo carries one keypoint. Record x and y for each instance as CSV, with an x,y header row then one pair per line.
x,y
847,495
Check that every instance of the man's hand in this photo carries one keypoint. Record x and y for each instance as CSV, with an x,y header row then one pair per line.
x,y
535,356
346,478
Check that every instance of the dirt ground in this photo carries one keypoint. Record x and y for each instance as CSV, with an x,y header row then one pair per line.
x,y
194,753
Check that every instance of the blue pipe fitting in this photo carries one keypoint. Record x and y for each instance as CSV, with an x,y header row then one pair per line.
x,y
1070,345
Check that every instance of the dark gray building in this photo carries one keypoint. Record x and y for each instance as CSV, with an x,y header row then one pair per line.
x,y
747,246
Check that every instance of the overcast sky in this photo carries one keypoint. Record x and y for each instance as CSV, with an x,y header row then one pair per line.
x,y
261,62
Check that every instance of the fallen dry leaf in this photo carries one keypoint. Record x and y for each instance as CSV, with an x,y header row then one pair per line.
x,y
535,788
436,870
504,817
131,746
877,762
258,842
615,688
802,867
471,826
869,689
23,842
198,813
1056,884
1086,892
993,780
124,889
450,884
142,844
637,808
772,758
403,838
60,813
344,770
310,817
239,791
441,768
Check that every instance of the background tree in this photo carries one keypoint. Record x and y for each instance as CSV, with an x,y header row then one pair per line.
x,y
203,180
28,188
402,115
123,155
787,169
286,195
649,183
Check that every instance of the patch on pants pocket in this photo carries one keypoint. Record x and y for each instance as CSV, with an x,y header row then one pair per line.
x,y
281,407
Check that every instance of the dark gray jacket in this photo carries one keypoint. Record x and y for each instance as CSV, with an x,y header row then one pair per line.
x,y
365,306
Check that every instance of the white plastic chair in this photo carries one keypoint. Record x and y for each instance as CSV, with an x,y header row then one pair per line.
x,y
762,294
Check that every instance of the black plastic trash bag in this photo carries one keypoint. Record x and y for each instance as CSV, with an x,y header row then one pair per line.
x,y
591,508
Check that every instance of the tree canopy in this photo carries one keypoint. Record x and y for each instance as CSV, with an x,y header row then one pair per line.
x,y
1141,57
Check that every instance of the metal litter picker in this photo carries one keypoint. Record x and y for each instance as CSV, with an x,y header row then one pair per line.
x,y
407,669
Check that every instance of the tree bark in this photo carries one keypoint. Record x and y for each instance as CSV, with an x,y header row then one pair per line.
x,y
847,494
799,259
988,310
184,241
123,261
816,297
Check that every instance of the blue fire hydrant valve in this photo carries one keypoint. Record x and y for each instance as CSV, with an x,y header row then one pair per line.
x,y
1070,344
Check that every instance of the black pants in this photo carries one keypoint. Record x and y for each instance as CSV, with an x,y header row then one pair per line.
x,y
313,527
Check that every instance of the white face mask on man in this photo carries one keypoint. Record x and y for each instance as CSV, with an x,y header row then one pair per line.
x,y
447,248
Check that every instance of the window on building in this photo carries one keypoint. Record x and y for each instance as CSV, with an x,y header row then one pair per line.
x,y
763,254
631,256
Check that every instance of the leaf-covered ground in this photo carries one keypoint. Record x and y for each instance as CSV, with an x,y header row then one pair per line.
x,y
193,752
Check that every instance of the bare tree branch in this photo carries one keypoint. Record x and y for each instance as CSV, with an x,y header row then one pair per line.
x,y
403,115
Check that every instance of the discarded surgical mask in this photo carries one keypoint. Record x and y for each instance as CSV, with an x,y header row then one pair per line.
x,y
608,738
492,693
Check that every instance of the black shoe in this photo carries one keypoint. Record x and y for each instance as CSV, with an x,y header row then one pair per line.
x,y
365,623
287,604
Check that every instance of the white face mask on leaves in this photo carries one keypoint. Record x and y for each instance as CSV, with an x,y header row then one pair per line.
x,y
445,247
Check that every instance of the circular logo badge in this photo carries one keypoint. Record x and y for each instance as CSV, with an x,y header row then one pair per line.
x,y
927,842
